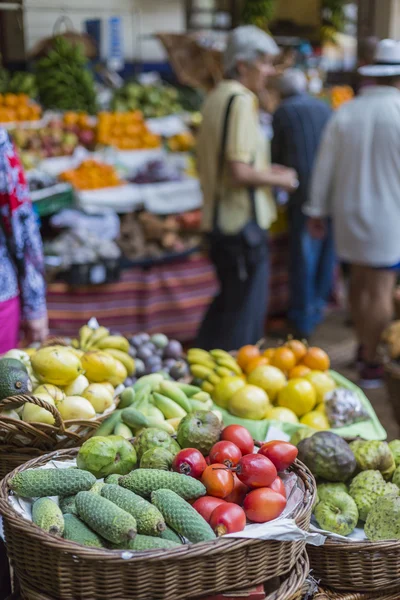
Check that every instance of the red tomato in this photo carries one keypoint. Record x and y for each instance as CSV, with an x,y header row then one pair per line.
x,y
206,505
226,453
282,454
278,486
218,480
239,492
189,462
263,505
239,436
256,471
228,518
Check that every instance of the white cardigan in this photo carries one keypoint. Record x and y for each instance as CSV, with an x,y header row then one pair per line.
x,y
356,178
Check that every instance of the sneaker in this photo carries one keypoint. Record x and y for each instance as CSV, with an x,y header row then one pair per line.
x,y
371,375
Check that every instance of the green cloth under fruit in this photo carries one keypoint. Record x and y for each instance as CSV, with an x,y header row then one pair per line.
x,y
369,430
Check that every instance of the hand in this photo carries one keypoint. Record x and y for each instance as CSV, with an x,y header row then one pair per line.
x,y
286,179
37,330
317,227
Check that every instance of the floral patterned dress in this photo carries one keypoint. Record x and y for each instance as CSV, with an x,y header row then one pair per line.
x,y
21,255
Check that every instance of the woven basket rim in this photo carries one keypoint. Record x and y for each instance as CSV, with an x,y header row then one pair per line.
x,y
364,545
190,550
21,399
294,580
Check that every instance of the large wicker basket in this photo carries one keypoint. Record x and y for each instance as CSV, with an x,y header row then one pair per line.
x,y
20,441
357,566
327,594
64,570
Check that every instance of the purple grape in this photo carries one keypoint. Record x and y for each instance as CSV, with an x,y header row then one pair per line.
x,y
150,346
144,337
140,368
144,353
169,363
132,351
136,340
153,360
179,370
173,350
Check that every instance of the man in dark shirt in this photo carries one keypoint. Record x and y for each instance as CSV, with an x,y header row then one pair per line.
x,y
298,124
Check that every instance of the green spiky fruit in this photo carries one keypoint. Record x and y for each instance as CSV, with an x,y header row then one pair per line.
x,y
182,517
366,488
37,483
200,429
157,458
75,530
67,505
145,542
154,438
148,518
383,521
145,481
105,518
47,515
374,455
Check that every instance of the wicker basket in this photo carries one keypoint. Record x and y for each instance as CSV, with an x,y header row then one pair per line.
x,y
20,441
186,572
326,594
357,566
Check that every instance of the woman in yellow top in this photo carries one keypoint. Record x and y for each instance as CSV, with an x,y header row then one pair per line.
x,y
236,178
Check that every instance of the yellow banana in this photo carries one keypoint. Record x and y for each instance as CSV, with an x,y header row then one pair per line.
x,y
202,397
224,372
199,353
231,365
85,334
74,343
124,358
214,378
204,363
221,355
207,387
118,342
200,372
97,335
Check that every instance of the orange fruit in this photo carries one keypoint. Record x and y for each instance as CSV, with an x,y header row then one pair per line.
x,y
284,359
246,354
316,359
269,353
298,348
256,362
299,371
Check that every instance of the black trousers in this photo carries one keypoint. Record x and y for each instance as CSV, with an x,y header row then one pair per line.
x,y
237,314
5,584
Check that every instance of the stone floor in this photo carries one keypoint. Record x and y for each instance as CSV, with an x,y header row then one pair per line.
x,y
338,340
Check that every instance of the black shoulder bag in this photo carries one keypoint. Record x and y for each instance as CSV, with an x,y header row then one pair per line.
x,y
248,246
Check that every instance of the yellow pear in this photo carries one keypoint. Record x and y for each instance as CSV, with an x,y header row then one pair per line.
x,y
99,397
76,408
56,365
120,374
99,366
35,414
110,387
77,387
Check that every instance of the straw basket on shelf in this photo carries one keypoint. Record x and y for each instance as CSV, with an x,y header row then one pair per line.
x,y
326,594
20,441
185,572
358,566
293,585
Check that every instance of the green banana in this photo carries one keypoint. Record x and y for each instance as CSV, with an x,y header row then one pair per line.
x,y
142,398
153,380
108,425
171,390
154,412
118,342
123,430
127,397
188,389
231,365
169,408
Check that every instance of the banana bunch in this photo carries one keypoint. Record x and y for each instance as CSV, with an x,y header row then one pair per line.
x,y
63,79
154,401
23,83
100,339
208,368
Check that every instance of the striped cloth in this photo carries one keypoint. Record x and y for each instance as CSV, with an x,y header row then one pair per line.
x,y
171,298
298,124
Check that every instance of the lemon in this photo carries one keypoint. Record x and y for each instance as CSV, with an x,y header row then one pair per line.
x,y
270,379
299,395
77,387
322,382
316,420
321,408
249,402
99,397
76,407
35,414
282,414
50,390
225,389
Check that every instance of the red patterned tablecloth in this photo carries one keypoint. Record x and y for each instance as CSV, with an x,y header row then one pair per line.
x,y
171,298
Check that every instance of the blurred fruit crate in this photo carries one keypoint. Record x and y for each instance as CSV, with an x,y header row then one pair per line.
x,y
51,200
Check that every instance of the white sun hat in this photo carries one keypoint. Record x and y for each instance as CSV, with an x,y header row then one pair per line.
x,y
387,61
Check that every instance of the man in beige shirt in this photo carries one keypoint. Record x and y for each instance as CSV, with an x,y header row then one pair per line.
x,y
236,177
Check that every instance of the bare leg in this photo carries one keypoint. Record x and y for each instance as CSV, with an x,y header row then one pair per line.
x,y
372,305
